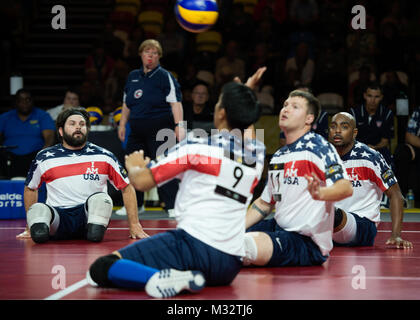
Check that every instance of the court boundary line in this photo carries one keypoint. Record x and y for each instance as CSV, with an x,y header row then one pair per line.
x,y
66,291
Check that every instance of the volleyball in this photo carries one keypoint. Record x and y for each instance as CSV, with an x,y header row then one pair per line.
x,y
196,15
116,115
95,115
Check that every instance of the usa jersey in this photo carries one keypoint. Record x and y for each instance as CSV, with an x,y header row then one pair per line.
x,y
371,176
413,125
295,209
218,175
71,176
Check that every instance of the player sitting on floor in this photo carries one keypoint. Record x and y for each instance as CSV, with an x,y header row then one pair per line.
x,y
76,173
305,177
357,217
218,175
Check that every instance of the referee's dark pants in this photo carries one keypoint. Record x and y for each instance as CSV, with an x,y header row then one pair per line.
x,y
143,136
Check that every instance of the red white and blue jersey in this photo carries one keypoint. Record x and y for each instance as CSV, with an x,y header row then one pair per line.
x,y
71,176
295,209
218,175
371,176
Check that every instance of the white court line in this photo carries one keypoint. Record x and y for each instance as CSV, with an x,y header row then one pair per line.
x,y
20,228
68,290
412,231
143,228
125,228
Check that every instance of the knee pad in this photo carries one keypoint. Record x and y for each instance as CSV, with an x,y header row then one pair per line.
x,y
347,234
98,271
39,218
338,217
99,210
251,250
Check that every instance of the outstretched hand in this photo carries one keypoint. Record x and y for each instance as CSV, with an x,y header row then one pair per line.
x,y
399,243
314,186
25,234
253,80
137,232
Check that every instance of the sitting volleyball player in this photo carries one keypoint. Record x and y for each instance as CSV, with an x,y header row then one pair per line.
x,y
76,173
218,175
357,217
305,177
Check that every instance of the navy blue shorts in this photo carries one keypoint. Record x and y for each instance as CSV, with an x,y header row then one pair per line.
x,y
178,250
365,233
289,248
73,223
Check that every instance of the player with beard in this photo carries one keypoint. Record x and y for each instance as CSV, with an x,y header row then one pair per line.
x,y
76,173
357,217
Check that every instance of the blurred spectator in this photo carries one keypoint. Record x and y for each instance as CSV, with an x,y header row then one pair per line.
x,y
91,90
199,109
275,8
361,46
229,59
101,62
331,76
375,122
407,158
303,13
240,27
26,128
300,67
71,100
392,88
332,15
395,16
358,86
390,48
131,50
114,85
265,32
113,44
187,79
173,44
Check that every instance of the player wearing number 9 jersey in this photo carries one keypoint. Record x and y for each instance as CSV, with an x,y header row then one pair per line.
x,y
218,176
305,177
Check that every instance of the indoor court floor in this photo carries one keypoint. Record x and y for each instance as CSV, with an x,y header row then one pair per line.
x,y
56,270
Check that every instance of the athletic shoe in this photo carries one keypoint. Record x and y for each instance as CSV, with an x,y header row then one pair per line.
x,y
169,282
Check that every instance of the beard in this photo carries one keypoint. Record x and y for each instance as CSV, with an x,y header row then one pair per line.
x,y
73,140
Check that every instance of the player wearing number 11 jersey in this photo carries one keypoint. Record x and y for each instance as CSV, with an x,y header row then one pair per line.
x,y
218,176
305,177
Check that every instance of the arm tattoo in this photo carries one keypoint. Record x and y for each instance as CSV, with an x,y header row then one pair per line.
x,y
264,214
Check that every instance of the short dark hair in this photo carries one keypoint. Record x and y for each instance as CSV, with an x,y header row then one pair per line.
x,y
241,105
314,106
22,91
374,85
72,90
62,118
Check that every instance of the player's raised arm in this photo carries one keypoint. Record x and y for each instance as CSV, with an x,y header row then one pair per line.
x,y
140,176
